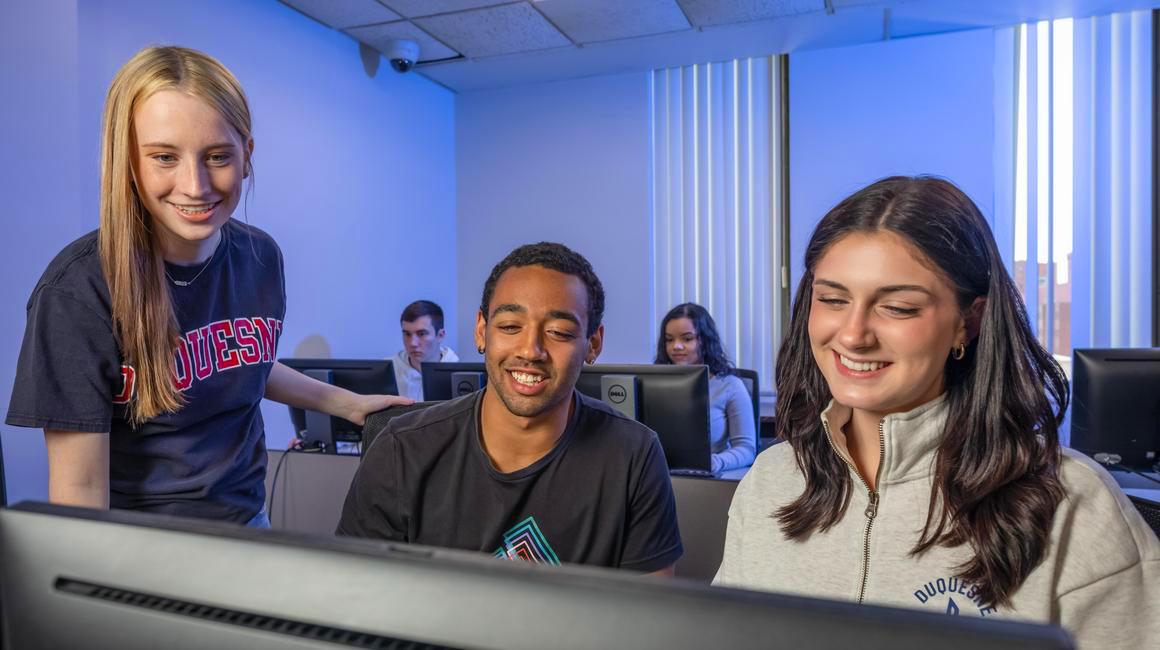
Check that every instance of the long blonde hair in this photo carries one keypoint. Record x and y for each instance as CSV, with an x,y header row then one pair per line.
x,y
131,254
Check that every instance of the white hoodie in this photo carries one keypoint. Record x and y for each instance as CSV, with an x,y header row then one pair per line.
x,y
409,380
1100,577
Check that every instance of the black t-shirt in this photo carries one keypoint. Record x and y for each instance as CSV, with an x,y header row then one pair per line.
x,y
602,496
209,458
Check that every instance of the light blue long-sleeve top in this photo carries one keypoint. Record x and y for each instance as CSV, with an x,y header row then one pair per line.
x,y
732,431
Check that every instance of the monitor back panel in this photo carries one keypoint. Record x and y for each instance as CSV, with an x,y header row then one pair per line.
x,y
431,597
671,400
1116,404
439,379
363,376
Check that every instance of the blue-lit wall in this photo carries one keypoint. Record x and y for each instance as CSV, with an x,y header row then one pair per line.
x,y
386,188
569,162
913,106
354,174
38,180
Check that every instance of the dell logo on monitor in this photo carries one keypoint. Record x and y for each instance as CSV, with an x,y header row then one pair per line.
x,y
617,394
464,387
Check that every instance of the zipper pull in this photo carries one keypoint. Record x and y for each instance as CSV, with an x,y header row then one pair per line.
x,y
872,507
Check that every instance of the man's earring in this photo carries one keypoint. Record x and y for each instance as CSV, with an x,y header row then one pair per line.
x,y
479,349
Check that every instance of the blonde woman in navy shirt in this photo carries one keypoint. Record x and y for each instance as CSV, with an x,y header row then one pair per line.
x,y
151,341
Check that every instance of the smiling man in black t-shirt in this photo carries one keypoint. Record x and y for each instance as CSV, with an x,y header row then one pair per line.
x,y
527,468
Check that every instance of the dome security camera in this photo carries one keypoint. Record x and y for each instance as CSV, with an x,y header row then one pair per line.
x,y
402,53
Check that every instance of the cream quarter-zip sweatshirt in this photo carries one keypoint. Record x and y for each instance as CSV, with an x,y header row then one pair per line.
x,y
1100,577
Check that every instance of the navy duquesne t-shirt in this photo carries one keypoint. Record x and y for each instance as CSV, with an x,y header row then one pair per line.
x,y
209,458
602,496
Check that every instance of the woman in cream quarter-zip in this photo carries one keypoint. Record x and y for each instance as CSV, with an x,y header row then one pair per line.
x,y
923,467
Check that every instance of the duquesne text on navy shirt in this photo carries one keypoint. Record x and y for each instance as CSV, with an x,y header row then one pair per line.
x,y
205,350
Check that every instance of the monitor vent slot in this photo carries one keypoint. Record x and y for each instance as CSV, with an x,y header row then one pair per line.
x,y
224,616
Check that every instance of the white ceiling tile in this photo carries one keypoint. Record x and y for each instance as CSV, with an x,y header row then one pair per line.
x,y
724,12
591,21
344,13
759,28
377,36
416,8
493,31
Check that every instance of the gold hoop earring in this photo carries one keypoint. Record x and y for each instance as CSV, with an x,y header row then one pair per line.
x,y
959,351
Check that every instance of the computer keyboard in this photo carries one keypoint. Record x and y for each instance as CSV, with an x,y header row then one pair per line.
x,y
692,472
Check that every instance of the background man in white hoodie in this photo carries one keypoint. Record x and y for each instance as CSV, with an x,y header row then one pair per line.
x,y
422,323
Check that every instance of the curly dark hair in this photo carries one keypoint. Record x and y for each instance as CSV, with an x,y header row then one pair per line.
x,y
556,257
996,472
708,340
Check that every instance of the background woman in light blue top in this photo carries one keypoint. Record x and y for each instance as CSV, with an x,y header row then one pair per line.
x,y
689,337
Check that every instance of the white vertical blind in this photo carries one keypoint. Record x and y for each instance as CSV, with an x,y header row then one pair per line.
x,y
716,201
1080,178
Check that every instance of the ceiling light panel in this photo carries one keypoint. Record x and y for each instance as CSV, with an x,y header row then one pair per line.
x,y
347,13
723,12
591,21
415,8
496,30
377,37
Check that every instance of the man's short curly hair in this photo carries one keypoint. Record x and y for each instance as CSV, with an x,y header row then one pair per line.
x,y
556,257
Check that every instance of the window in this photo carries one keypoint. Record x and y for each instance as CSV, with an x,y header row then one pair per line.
x,y
717,195
1075,198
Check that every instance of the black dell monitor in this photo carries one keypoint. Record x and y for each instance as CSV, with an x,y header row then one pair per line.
x,y
671,400
363,376
80,578
1115,405
444,381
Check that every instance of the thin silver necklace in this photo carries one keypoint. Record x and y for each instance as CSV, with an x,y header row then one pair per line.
x,y
186,283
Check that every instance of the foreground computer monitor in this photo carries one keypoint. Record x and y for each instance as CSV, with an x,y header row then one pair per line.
x,y
363,376
444,381
671,400
74,578
1115,404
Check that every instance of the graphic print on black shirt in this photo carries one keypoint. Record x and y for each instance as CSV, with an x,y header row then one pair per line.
x,y
601,496
526,542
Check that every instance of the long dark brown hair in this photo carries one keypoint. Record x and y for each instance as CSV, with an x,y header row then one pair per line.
x,y
708,340
996,472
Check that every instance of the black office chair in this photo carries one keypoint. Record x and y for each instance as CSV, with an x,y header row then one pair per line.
x,y
378,421
702,516
753,385
1150,510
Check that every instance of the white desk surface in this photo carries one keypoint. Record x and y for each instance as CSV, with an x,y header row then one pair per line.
x,y
1136,485
1144,493
736,474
